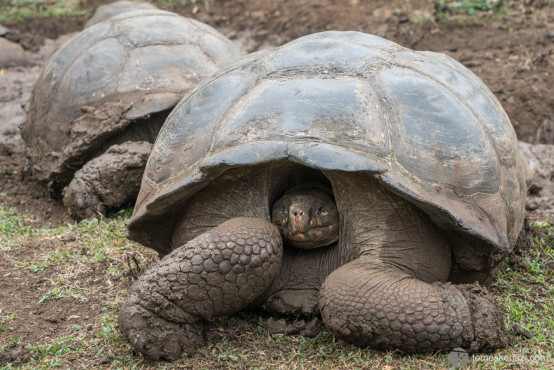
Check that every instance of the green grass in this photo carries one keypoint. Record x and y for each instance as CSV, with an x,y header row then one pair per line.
x,y
81,262
13,11
15,228
528,294
59,292
168,4
19,10
444,9
98,250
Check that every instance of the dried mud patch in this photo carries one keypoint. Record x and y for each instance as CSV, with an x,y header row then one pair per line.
x,y
19,190
16,354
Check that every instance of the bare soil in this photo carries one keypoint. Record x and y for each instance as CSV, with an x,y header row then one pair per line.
x,y
19,190
513,53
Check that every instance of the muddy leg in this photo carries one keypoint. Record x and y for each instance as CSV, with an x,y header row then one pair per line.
x,y
386,308
108,181
217,273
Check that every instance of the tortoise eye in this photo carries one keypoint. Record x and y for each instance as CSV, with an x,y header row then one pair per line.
x,y
320,210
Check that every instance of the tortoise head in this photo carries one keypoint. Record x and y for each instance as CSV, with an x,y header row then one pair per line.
x,y
307,216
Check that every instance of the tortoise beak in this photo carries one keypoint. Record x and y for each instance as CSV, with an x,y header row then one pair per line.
x,y
299,219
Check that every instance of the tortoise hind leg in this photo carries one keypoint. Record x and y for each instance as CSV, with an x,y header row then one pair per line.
x,y
217,273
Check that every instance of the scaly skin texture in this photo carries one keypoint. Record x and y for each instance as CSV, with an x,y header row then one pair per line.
x,y
108,181
218,273
388,309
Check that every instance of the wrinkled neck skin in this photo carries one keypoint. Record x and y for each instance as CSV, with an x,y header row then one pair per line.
x,y
381,229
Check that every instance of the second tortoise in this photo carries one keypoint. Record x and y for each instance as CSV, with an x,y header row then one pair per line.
x,y
101,99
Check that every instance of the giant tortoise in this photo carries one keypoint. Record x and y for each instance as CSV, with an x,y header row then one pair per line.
x,y
102,98
340,173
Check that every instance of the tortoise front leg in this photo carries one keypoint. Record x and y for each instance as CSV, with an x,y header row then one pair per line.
x,y
386,308
217,273
108,181
392,291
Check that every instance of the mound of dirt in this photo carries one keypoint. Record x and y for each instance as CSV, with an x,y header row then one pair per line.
x,y
16,354
19,190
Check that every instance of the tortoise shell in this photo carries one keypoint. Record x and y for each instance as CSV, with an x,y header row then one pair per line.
x,y
420,122
105,12
111,75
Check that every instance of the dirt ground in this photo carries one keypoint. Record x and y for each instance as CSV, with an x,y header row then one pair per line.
x,y
512,53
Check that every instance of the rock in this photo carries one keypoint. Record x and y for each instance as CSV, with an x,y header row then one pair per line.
x,y
312,328
276,326
13,55
540,197
295,327
3,30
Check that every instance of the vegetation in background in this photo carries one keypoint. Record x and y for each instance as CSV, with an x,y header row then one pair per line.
x,y
12,11
19,10
168,4
447,8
